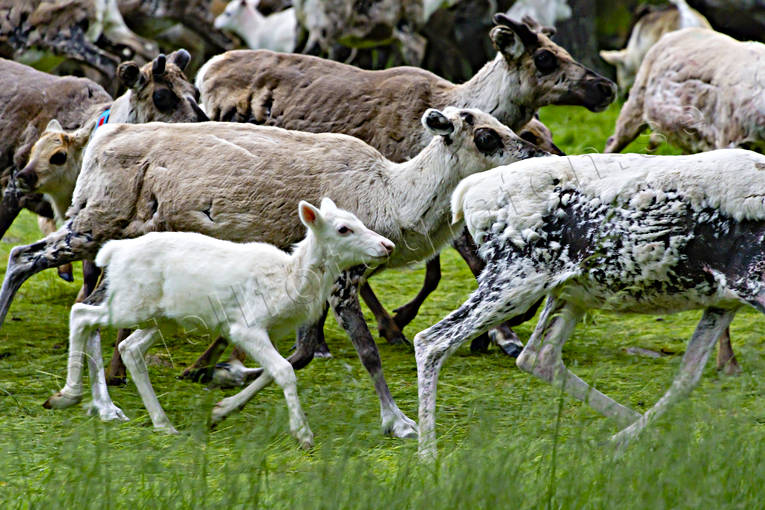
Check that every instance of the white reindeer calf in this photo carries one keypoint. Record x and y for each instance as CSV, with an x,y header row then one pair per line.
x,y
276,32
627,233
166,279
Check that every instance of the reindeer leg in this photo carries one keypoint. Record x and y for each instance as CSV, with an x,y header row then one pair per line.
x,y
405,314
499,295
55,249
542,358
503,334
629,124
726,358
10,207
48,226
385,324
117,374
202,369
712,325
345,304
309,340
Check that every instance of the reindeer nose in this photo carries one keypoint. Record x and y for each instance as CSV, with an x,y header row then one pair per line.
x,y
389,246
27,178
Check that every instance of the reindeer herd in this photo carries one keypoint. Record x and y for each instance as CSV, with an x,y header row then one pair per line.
x,y
171,179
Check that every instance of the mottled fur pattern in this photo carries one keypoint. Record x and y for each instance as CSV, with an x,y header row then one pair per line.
x,y
626,233
383,107
699,90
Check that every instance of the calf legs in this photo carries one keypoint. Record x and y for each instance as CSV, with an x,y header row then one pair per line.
x,y
258,346
84,340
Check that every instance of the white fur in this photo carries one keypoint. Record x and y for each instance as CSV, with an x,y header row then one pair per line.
x,y
169,278
546,12
275,32
518,196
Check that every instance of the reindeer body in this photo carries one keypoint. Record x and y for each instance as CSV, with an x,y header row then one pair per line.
x,y
625,233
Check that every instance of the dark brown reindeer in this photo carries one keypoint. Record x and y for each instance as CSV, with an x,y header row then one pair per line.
x,y
383,107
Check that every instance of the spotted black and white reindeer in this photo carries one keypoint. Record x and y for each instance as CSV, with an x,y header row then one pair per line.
x,y
620,232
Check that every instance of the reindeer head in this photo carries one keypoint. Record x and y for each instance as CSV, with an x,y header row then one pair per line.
x,y
345,240
548,74
53,160
160,90
476,139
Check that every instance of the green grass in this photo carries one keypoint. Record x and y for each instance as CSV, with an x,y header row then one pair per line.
x,y
497,427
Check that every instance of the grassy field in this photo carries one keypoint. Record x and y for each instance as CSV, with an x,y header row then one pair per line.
x,y
506,440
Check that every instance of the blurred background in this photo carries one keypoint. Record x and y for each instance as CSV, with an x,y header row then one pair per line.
x,y
447,37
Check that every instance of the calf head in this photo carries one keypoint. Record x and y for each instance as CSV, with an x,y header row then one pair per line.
x,y
233,15
345,240
548,74
160,90
476,140
53,160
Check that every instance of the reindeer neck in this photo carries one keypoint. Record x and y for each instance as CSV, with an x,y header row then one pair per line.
x,y
312,268
121,110
421,187
496,89
251,20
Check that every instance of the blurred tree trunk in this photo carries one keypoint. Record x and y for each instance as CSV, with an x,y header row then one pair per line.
x,y
579,36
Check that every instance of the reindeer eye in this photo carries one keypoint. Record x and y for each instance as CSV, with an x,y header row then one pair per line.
x,y
344,230
164,99
58,158
545,62
530,137
487,140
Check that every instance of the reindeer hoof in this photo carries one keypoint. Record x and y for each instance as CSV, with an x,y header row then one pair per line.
x,y
305,440
116,380
67,276
61,401
322,352
198,375
109,412
166,429
401,427
511,346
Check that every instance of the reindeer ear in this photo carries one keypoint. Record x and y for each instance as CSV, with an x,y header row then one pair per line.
x,y
158,66
506,42
327,204
128,73
181,58
613,57
525,33
53,126
309,215
437,123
